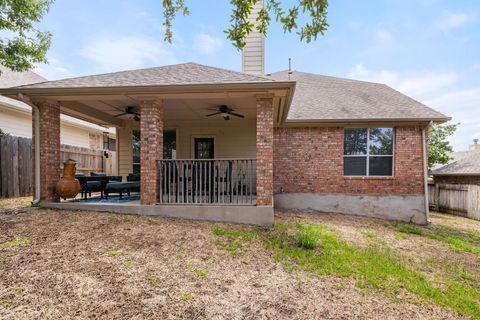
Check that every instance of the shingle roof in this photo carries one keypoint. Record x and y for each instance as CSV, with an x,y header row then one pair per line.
x,y
467,164
320,97
9,78
178,74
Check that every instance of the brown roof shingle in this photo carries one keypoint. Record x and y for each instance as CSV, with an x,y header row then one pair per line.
x,y
178,74
468,163
327,98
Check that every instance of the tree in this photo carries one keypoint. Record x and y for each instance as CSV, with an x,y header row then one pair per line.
x,y
439,147
240,26
3,134
24,45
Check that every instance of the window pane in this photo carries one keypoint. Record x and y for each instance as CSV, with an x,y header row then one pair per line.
x,y
380,166
355,166
355,142
169,144
381,141
136,168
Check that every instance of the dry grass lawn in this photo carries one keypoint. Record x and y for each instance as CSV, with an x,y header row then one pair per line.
x,y
85,265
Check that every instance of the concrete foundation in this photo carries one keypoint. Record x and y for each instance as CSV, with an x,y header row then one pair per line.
x,y
261,216
400,208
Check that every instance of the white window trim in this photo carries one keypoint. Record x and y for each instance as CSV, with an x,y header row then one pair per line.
x,y
367,155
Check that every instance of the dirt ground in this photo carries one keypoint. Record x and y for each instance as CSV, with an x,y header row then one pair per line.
x,y
87,265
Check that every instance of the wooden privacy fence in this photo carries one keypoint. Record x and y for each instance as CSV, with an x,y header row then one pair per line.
x,y
458,199
16,167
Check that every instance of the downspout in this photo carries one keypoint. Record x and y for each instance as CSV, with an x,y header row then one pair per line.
x,y
425,171
36,122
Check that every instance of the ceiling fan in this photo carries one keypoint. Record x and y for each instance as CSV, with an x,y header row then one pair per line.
x,y
226,112
131,110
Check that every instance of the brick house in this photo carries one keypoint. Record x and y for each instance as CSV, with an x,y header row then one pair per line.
x,y
215,144
464,168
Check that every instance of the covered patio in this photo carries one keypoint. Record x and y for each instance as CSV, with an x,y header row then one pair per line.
x,y
200,138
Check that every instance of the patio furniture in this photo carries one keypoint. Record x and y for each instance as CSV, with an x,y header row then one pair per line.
x,y
121,187
96,182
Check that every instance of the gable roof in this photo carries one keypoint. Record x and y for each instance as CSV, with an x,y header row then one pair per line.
x,y
323,98
468,163
9,78
177,74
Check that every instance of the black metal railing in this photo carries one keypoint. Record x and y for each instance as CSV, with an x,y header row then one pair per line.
x,y
209,181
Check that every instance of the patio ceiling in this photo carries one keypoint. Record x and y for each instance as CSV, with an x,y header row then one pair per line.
x,y
102,107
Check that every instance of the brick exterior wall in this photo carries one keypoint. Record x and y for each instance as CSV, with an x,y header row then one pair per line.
x,y
264,152
310,160
50,172
151,139
475,180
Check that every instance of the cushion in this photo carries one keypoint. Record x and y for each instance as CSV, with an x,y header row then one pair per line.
x,y
94,185
98,174
117,186
133,177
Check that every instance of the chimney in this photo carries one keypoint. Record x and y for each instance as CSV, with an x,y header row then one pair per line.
x,y
475,146
253,54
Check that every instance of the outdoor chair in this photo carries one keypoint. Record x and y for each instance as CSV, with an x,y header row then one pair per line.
x,y
132,185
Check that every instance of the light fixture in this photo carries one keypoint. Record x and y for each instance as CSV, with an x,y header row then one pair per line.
x,y
105,144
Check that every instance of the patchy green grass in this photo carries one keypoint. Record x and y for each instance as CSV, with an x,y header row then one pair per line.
x,y
315,249
400,236
458,240
129,263
307,238
186,296
153,281
113,253
369,234
15,243
5,303
233,240
15,203
200,273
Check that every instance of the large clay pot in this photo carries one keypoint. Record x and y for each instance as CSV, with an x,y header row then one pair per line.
x,y
68,186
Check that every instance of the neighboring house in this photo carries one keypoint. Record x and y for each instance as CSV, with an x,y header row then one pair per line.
x,y
464,168
215,144
16,116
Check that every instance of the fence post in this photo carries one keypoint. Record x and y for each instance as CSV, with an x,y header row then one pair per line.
x,y
436,197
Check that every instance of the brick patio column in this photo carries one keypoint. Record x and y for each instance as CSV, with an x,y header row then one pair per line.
x,y
50,172
264,151
151,149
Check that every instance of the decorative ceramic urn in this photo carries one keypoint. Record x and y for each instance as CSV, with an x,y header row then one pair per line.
x,y
68,186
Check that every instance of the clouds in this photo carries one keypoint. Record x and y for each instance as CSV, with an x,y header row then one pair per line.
x,y
420,85
118,52
438,90
453,20
53,70
383,35
207,44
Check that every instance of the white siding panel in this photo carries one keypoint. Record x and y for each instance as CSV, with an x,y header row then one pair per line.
x,y
74,136
15,123
124,152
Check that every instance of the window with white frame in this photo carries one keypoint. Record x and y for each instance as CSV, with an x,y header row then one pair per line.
x,y
368,152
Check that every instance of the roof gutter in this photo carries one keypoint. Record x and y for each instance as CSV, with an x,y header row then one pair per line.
x,y
36,141
364,120
158,89
472,174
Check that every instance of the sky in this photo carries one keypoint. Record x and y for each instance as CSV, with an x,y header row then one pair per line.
x,y
427,49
